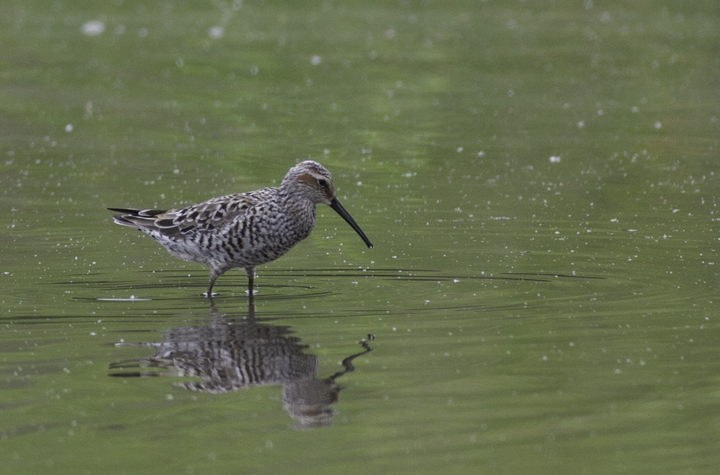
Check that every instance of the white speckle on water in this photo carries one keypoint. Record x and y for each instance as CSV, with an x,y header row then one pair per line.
x,y
216,32
132,298
460,149
581,124
658,125
481,153
315,60
69,128
93,28
554,159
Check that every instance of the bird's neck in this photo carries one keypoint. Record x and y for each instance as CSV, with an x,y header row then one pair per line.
x,y
300,210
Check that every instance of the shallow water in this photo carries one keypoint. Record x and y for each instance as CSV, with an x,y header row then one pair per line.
x,y
540,185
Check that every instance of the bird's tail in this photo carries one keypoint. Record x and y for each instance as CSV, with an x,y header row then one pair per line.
x,y
141,219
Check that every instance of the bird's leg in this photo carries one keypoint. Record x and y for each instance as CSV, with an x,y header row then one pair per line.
x,y
250,271
209,293
214,274
251,295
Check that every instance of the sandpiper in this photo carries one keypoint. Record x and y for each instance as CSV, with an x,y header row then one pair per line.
x,y
245,229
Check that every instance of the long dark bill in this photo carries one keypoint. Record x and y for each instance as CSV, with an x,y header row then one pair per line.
x,y
335,204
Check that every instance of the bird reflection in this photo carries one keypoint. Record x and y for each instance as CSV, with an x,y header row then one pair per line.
x,y
235,353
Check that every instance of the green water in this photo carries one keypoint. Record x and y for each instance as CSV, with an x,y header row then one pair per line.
x,y
539,179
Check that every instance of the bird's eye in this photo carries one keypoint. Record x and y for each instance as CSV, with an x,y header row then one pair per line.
x,y
322,182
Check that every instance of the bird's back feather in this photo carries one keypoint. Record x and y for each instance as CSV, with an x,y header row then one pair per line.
x,y
202,217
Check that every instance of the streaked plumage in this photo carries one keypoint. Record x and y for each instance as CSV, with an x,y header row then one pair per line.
x,y
245,229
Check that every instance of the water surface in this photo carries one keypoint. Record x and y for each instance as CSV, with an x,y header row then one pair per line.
x,y
539,181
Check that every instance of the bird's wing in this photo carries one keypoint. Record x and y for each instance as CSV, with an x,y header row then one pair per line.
x,y
206,216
